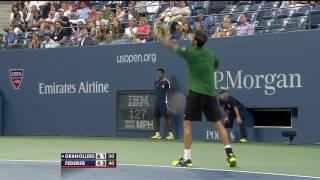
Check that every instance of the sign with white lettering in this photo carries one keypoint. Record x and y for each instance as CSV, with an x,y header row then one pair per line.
x,y
135,110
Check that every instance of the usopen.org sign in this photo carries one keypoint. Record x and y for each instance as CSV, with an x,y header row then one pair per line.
x,y
16,77
268,82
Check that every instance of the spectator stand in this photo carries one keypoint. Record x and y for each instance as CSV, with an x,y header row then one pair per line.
x,y
265,17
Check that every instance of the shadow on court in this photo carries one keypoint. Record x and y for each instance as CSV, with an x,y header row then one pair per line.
x,y
33,170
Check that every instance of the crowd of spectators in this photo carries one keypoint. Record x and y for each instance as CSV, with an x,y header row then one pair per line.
x,y
51,24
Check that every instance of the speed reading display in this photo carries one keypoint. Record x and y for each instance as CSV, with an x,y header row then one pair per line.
x,y
135,110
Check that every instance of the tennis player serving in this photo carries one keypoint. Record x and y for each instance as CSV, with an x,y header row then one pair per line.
x,y
202,95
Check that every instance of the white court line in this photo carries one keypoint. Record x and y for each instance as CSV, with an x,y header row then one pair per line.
x,y
225,170
205,169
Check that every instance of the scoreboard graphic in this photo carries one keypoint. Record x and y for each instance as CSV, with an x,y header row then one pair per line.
x,y
88,160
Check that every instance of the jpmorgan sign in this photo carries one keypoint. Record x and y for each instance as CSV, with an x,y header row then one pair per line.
x,y
269,83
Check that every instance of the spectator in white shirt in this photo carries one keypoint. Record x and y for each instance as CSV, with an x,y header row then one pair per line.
x,y
130,31
100,19
48,42
33,9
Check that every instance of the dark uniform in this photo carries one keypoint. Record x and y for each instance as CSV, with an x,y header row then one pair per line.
x,y
228,106
161,106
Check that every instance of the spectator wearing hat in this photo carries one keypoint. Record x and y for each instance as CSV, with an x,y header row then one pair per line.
x,y
234,111
64,20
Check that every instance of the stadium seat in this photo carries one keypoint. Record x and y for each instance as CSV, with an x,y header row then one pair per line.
x,y
41,34
198,7
266,14
207,23
242,8
315,17
219,18
189,20
269,5
269,14
252,17
229,9
151,17
240,3
279,25
124,25
264,26
235,18
301,11
297,23
276,28
283,13
317,8
255,7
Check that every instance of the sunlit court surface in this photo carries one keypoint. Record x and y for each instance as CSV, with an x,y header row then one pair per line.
x,y
159,90
39,157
